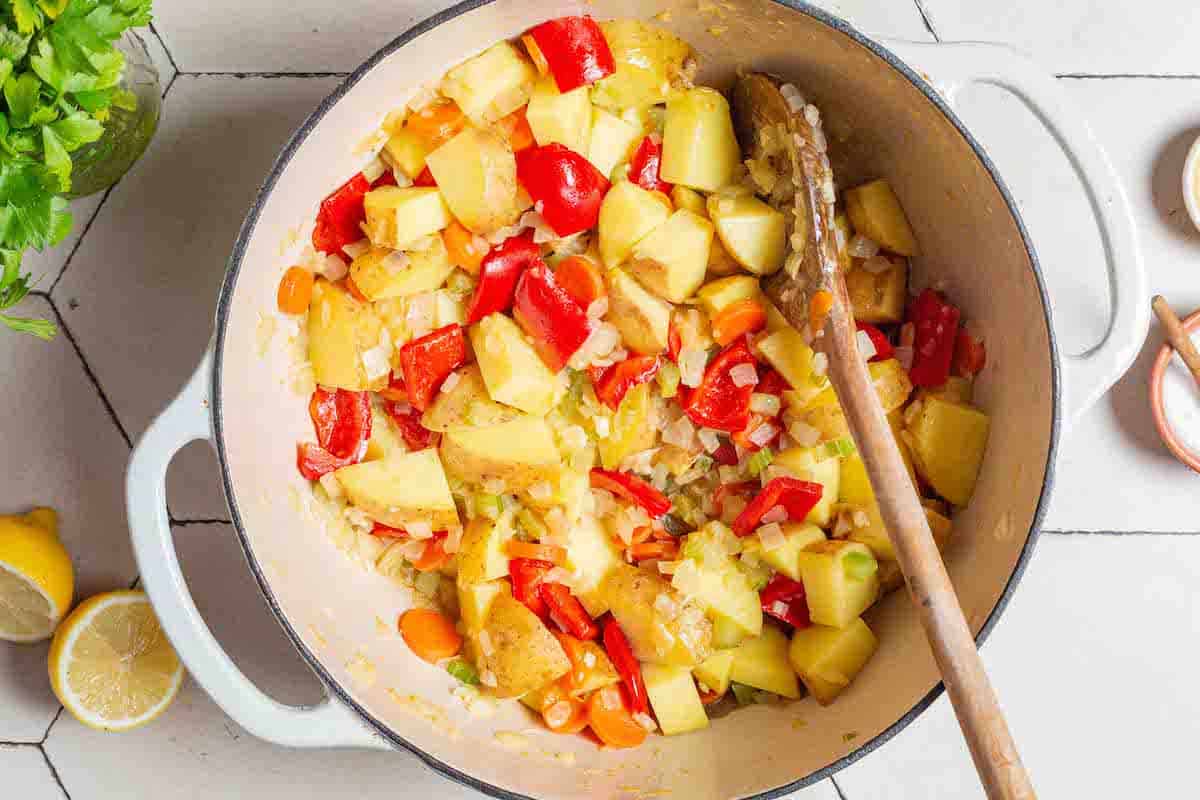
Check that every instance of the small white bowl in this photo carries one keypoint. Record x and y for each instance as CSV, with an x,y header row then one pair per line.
x,y
1191,183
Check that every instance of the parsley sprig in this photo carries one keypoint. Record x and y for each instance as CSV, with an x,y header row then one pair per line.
x,y
59,76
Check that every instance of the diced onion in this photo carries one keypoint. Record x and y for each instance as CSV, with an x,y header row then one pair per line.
x,y
542,232
451,381
598,307
665,605
453,539
768,405
820,364
486,648
423,97
395,261
776,514
861,518
333,268
691,366
905,356
668,567
842,527
377,362
603,502
494,486
709,439
763,434
744,375
876,264
646,721
541,491
863,246
557,575
771,536
488,678
331,486
374,170
419,530
804,434
355,249
812,115
603,426
866,345
659,476
680,433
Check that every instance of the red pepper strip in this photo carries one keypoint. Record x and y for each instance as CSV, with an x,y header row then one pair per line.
x,y
388,178
796,496
742,437
342,420
627,666
340,215
717,403
622,377
726,455
883,347
936,324
575,50
395,390
427,361
498,274
674,342
385,530
416,436
771,382
567,612
632,488
569,188
313,461
424,178
726,489
970,356
644,166
544,310
784,599
527,575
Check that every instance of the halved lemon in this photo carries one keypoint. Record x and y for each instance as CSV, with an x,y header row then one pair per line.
x,y
37,580
111,665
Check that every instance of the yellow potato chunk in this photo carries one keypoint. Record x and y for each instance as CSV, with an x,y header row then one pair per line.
x,y
340,329
810,465
875,212
674,698
836,594
406,152
798,536
476,172
481,556
671,260
524,654
512,370
627,214
948,441
475,602
716,670
612,141
519,452
762,662
787,352
408,487
700,149
878,298
491,85
398,217
643,319
827,659
466,405
693,201
557,117
591,555
723,292
681,639
648,60
752,232
423,271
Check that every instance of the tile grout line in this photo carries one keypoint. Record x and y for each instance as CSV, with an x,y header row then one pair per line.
x,y
266,75
167,50
928,21
46,735
82,235
1100,76
837,788
54,772
1120,533
170,83
19,744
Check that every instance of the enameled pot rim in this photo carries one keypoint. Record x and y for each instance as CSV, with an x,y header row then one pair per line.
x,y
230,284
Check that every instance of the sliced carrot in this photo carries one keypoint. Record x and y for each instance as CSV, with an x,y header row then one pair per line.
x,y
429,634
566,716
515,548
610,719
535,55
659,550
818,309
642,533
581,279
437,122
738,319
434,557
464,248
295,290
515,128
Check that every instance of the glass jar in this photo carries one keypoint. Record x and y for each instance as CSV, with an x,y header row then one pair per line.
x,y
127,132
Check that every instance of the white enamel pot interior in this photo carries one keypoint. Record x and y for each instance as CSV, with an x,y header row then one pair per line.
x,y
883,121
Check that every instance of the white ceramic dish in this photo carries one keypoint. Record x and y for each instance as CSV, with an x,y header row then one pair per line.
x,y
885,120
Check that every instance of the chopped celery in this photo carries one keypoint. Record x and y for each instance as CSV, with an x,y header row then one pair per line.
x,y
532,525
743,694
488,505
702,463
463,671
839,448
668,379
759,461
859,566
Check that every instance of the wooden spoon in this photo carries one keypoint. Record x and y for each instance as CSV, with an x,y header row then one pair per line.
x,y
1179,338
767,112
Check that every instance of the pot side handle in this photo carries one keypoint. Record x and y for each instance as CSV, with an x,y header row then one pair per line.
x,y
188,418
956,66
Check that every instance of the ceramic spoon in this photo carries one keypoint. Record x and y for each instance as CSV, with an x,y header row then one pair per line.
x,y
773,122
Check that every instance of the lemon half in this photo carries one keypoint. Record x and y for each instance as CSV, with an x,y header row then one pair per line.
x,y
37,580
111,665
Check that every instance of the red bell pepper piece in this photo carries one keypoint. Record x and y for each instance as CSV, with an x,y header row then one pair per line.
x,y
395,391
314,461
498,274
883,348
575,50
674,342
784,599
717,403
427,361
725,455
627,665
379,529
771,382
796,496
632,488
340,215
527,575
424,178
622,377
416,436
567,612
569,188
388,178
726,489
342,420
970,356
936,328
644,166
544,310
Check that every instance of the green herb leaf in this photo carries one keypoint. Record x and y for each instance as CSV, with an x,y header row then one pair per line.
x,y
41,328
58,160
13,45
77,130
23,93
27,16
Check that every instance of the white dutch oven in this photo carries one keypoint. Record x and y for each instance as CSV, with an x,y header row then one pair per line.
x,y
887,121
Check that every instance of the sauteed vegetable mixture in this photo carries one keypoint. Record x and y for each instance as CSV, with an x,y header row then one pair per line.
x,y
548,376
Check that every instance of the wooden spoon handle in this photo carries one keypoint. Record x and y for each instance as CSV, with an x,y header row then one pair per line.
x,y
979,714
1177,336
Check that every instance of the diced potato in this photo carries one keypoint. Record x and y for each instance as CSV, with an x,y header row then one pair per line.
x,y
753,233
948,441
878,298
512,370
717,295
855,486
875,212
467,405
340,329
384,439
426,270
681,639
648,60
693,201
726,633
956,389
713,579
476,172
525,655
775,319
700,149
631,429
491,85
406,152
671,260
720,263
942,528
875,536
475,602
519,452
834,597
827,659
674,698
557,117
592,555
798,536
643,319
612,141
786,351
408,487
715,672
481,556
891,383
806,463
399,217
762,662
627,214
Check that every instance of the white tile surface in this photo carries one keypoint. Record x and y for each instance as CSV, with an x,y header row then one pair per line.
x,y
1094,664
62,450
1153,36
26,774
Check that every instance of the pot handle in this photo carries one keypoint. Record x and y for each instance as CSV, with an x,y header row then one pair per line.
x,y
188,418
955,66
